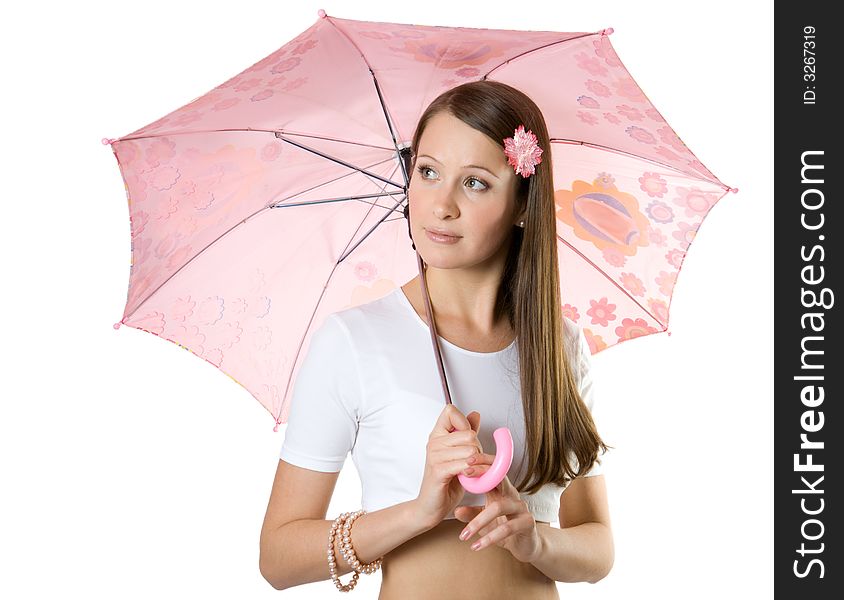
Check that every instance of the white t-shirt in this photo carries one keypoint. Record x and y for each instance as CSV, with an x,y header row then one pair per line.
x,y
369,384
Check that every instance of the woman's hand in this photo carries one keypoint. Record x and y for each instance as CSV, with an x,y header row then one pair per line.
x,y
505,521
453,447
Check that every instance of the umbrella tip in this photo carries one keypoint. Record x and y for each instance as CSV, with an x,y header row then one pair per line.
x,y
107,141
607,31
734,190
276,427
117,325
321,13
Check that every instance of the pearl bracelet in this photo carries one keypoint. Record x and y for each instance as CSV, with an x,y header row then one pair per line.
x,y
344,523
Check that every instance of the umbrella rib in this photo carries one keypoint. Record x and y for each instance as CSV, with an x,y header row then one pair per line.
x,y
338,178
630,154
538,48
246,129
338,161
387,117
339,199
611,280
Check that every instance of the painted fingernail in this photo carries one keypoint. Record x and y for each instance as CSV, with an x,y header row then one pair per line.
x,y
465,535
476,546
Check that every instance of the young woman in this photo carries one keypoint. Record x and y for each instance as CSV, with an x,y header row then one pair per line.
x,y
482,217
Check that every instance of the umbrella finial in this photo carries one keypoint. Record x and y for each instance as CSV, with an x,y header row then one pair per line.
x,y
107,141
321,13
607,31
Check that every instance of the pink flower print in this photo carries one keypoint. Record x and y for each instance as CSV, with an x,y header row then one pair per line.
x,y
262,95
129,152
571,312
598,88
658,309
276,80
225,104
181,308
467,72
449,83
228,335
654,115
164,178
184,187
601,312
247,84
630,329
634,114
590,64
596,342
304,47
627,88
165,207
262,337
288,64
612,118
366,271
238,306
666,153
667,135
214,356
588,102
655,236
604,180
295,84
685,234
210,310
270,151
202,200
587,118
614,257
188,336
633,284
179,257
695,201
606,52
653,184
640,135
666,282
675,258
152,322
660,212
160,151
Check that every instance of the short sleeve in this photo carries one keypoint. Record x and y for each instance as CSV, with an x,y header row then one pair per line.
x,y
322,423
586,387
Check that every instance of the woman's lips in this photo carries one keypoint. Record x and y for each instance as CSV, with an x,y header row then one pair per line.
x,y
441,238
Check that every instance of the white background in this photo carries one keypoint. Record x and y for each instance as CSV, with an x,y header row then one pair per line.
x,y
132,469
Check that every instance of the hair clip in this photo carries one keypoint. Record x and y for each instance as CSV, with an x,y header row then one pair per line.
x,y
523,151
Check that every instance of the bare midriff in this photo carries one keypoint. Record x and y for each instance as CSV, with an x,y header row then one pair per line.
x,y
436,565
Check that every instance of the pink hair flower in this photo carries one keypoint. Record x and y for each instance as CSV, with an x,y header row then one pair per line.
x,y
523,151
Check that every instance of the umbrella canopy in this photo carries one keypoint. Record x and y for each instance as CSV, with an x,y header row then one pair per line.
x,y
276,198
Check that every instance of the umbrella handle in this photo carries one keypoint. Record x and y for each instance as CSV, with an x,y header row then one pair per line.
x,y
500,466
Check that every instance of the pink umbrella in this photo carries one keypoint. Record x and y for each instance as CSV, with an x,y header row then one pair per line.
x,y
276,198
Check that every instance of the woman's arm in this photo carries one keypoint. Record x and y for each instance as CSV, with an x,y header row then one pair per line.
x,y
294,537
582,548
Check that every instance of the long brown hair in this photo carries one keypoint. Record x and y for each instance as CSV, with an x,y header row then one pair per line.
x,y
558,425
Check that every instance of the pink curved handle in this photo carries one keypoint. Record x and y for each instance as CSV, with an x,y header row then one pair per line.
x,y
500,465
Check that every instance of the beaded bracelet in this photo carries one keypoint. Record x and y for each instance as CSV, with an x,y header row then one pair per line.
x,y
344,523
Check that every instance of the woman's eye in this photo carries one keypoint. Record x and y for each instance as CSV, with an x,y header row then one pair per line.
x,y
479,181
422,169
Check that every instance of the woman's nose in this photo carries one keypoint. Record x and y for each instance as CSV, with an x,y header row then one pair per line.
x,y
445,203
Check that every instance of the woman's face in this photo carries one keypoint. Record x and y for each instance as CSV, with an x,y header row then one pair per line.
x,y
461,184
